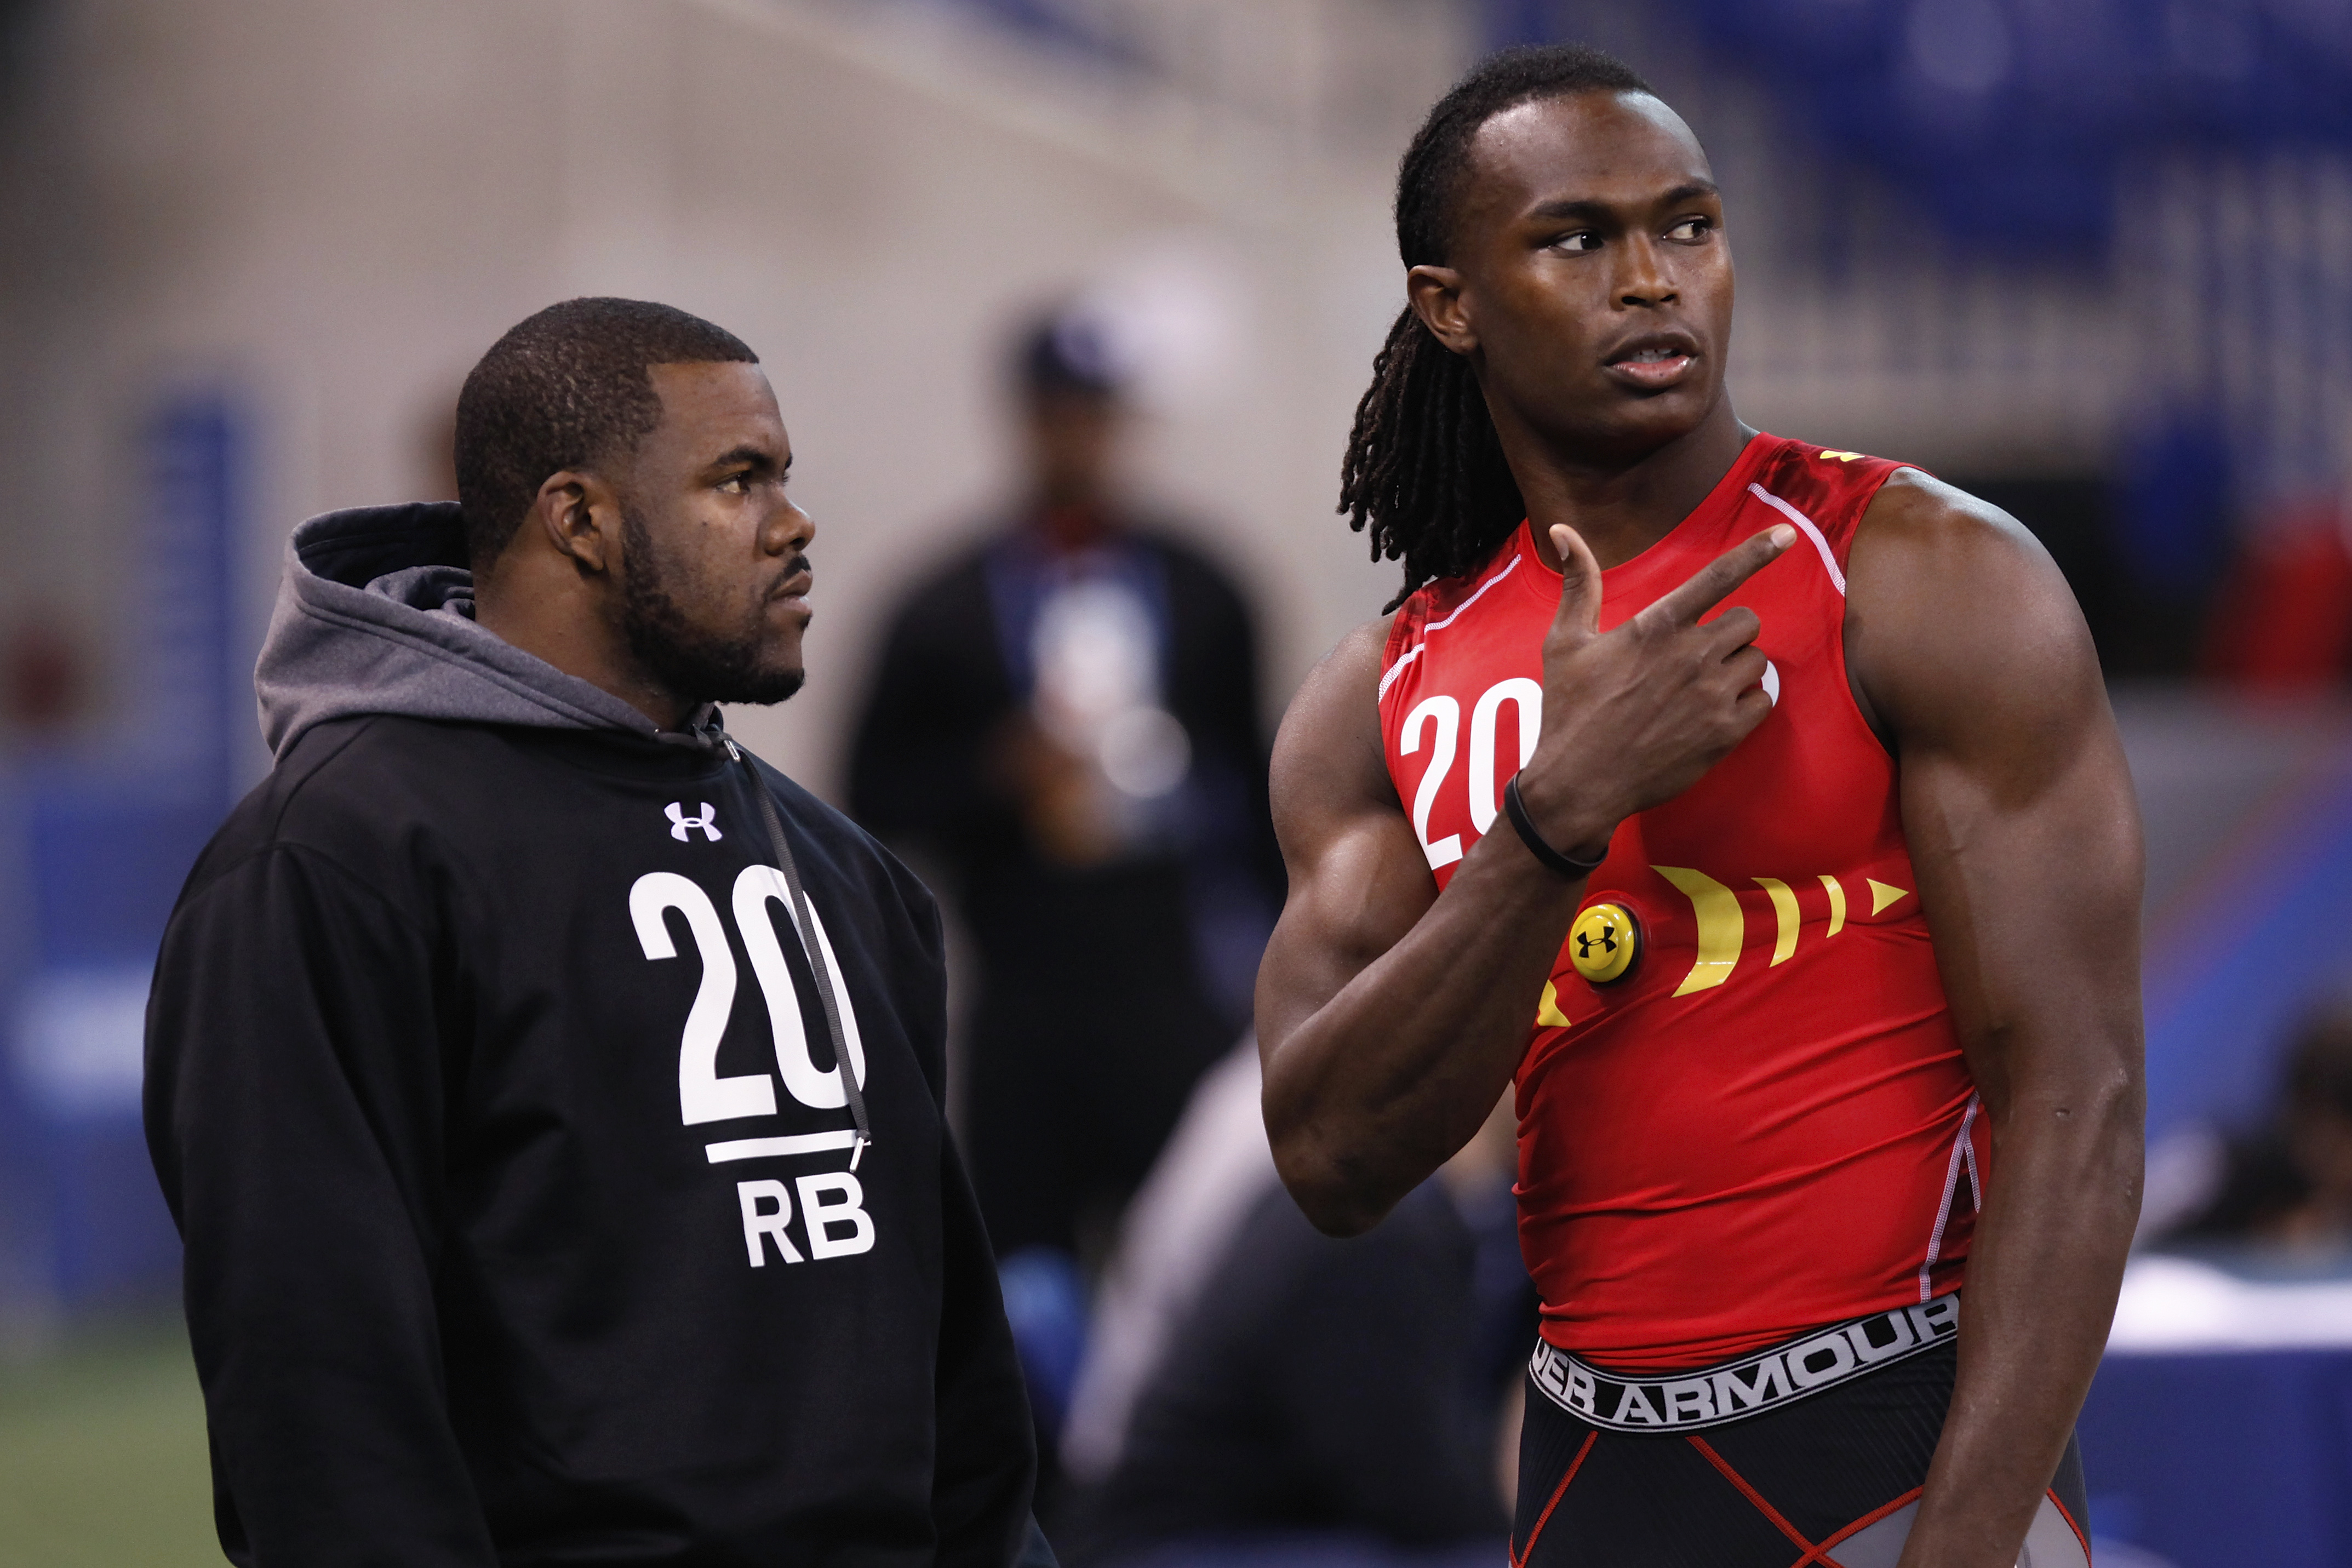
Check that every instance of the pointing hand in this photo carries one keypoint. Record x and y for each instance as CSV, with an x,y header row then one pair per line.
x,y
1632,717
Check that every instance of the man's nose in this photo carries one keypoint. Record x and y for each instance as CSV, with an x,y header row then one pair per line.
x,y
1644,283
789,529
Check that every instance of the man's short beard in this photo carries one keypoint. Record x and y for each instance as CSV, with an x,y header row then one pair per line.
x,y
696,664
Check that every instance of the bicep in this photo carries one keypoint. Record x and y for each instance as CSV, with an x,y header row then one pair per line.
x,y
1357,880
2017,804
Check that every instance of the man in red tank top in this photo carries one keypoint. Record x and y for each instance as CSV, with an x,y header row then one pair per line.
x,y
1805,930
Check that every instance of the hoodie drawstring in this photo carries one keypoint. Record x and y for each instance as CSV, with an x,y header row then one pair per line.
x,y
813,950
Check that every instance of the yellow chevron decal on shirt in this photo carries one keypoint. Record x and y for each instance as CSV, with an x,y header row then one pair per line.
x,y
1837,903
1784,911
1548,1016
1840,457
1720,927
1881,895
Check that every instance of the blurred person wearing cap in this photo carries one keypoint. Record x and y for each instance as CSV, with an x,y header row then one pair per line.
x,y
1063,721
551,1095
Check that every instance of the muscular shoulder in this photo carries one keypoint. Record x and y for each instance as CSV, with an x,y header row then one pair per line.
x,y
1328,748
1916,523
1354,661
1341,695
1951,602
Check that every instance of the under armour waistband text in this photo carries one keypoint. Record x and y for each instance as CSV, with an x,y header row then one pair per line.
x,y
1709,1396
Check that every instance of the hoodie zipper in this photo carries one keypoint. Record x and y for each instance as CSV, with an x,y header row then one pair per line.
x,y
814,951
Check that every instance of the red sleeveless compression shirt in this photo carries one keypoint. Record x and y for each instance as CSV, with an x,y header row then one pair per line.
x,y
1766,1124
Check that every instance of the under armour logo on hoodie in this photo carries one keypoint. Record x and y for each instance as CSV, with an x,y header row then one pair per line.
x,y
681,825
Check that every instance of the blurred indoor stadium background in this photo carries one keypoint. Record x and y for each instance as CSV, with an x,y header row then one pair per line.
x,y
2092,259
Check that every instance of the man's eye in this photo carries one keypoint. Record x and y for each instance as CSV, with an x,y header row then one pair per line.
x,y
736,484
1690,229
1582,240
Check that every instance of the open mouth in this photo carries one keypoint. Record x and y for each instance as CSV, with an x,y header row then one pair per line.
x,y
1655,362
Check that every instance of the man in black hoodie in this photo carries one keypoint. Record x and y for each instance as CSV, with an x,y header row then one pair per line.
x,y
495,1056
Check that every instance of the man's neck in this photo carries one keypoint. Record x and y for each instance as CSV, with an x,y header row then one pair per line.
x,y
1622,507
579,642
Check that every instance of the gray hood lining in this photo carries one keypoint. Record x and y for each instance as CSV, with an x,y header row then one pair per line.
x,y
401,639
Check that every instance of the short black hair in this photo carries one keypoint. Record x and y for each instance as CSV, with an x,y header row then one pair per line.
x,y
565,389
1424,474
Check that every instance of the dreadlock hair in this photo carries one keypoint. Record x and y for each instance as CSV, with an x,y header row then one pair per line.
x,y
566,388
1424,474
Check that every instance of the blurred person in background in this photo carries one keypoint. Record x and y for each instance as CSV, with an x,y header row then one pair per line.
x,y
549,1094
1258,1392
1755,808
2286,1190
2282,621
1063,721
41,680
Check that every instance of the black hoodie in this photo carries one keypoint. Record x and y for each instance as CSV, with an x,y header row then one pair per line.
x,y
491,1085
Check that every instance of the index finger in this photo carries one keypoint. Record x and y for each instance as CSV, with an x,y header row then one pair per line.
x,y
1713,583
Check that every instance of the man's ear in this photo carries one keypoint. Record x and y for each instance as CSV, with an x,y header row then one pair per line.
x,y
1436,295
580,515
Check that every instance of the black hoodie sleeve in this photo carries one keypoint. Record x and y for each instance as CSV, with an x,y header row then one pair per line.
x,y
294,1111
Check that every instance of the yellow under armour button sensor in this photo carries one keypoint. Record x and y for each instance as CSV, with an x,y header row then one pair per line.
x,y
1604,941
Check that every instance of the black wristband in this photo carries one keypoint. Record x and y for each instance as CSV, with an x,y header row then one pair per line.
x,y
1568,865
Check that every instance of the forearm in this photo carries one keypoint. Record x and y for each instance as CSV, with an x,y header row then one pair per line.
x,y
1368,1093
2043,1275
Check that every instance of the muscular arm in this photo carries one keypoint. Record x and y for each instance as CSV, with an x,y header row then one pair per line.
x,y
1390,1016
1968,653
